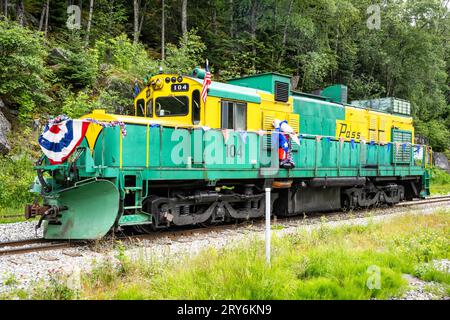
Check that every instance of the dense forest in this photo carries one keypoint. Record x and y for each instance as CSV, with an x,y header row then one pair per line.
x,y
53,63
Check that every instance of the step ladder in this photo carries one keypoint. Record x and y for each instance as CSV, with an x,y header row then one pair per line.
x,y
426,184
131,186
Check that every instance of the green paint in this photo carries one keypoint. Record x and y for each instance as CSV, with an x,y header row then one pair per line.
x,y
94,206
317,117
92,210
263,81
135,219
232,92
337,93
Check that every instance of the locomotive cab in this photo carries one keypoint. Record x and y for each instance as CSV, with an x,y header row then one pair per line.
x,y
171,99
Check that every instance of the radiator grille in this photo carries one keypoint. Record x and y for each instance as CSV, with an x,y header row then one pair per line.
x,y
281,91
401,154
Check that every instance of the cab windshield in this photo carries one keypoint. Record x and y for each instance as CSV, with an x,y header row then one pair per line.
x,y
172,106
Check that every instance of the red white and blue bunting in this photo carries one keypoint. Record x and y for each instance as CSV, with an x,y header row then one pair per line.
x,y
60,138
63,135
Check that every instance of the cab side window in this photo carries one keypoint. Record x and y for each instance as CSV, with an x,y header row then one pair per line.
x,y
196,107
233,115
149,109
140,108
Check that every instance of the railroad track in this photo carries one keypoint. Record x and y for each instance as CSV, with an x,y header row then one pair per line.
x,y
294,220
31,245
429,200
40,244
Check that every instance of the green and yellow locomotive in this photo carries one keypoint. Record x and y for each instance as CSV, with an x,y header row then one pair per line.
x,y
185,161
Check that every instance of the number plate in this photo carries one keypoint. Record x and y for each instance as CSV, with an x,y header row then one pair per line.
x,y
180,87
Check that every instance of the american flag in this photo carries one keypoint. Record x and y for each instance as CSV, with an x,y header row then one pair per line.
x,y
206,83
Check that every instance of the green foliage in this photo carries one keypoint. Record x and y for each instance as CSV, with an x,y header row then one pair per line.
x,y
79,68
23,75
440,182
315,67
437,133
428,272
55,289
123,55
187,55
76,105
16,178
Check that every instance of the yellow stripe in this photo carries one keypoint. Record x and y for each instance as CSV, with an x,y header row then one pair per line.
x,y
120,150
148,144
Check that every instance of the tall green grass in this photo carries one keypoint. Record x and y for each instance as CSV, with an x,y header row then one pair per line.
x,y
327,263
440,182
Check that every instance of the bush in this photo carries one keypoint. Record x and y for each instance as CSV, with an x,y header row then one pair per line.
x,y
22,69
76,105
79,68
436,132
123,56
184,58
16,177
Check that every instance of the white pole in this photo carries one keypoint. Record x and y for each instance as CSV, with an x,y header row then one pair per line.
x,y
268,226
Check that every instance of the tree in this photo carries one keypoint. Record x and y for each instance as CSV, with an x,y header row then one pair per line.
x,y
139,15
189,53
5,8
184,17
41,20
163,31
285,31
88,28
20,11
23,75
47,8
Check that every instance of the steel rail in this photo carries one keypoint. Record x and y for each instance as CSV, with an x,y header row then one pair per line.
x,y
28,246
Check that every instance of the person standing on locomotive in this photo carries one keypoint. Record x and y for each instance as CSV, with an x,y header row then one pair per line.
x,y
284,144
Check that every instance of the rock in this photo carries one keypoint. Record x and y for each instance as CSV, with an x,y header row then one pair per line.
x,y
56,55
441,161
5,128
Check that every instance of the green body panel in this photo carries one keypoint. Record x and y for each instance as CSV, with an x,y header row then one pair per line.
x,y
265,81
92,209
135,219
336,93
318,117
94,205
232,92
212,159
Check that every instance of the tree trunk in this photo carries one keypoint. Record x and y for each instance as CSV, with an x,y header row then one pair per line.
x,y
274,29
5,8
41,21
253,26
142,18
163,31
184,17
286,26
231,19
214,17
46,18
20,11
136,5
88,29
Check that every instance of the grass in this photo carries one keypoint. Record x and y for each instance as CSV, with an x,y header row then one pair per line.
x,y
350,262
9,215
440,182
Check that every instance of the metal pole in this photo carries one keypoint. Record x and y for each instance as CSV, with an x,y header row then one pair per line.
x,y
268,225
